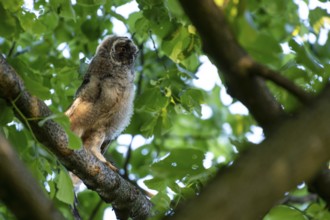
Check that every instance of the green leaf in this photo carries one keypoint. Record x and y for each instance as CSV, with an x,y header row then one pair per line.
x,y
132,19
175,46
12,5
31,24
89,2
151,100
87,199
66,11
162,201
317,17
318,211
261,46
90,28
141,27
192,99
50,20
284,212
52,189
6,113
156,183
32,78
304,57
36,88
147,128
8,23
65,191
74,141
175,8
179,163
191,63
36,170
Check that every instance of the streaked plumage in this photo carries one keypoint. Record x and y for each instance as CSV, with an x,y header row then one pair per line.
x,y
103,104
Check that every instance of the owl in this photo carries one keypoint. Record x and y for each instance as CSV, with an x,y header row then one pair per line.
x,y
103,104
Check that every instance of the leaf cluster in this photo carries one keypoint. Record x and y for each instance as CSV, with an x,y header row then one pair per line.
x,y
51,43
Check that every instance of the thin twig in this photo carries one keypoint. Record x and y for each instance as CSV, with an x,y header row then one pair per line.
x,y
283,82
75,211
27,49
127,160
140,79
11,49
126,172
26,121
156,50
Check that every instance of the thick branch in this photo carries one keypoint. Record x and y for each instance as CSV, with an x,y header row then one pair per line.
x,y
242,74
259,178
19,190
125,198
222,48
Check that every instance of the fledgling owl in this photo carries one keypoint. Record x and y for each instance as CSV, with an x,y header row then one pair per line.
x,y
103,104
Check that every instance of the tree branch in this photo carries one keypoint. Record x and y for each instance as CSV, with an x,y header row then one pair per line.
x,y
222,48
12,48
19,190
260,177
127,160
241,74
125,197
278,79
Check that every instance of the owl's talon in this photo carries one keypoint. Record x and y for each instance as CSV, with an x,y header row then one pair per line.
x,y
112,167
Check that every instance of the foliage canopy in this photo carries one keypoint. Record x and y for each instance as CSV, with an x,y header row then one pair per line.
x,y
181,134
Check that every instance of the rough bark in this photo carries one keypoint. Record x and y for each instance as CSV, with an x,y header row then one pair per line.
x,y
125,198
19,190
258,179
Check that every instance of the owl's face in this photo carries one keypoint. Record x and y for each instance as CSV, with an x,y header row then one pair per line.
x,y
120,50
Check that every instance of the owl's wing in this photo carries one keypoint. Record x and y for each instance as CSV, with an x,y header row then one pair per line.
x,y
84,83
90,88
79,107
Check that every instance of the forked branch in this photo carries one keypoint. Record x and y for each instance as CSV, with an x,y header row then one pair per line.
x,y
126,199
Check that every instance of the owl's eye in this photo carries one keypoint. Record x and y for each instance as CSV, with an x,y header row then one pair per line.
x,y
121,49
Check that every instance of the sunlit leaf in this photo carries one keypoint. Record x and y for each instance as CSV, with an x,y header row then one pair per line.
x,y
192,99
152,100
305,57
179,163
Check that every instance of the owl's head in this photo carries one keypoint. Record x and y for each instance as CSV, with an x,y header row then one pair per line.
x,y
120,50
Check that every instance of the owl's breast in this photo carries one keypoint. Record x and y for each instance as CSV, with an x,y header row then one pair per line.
x,y
117,102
